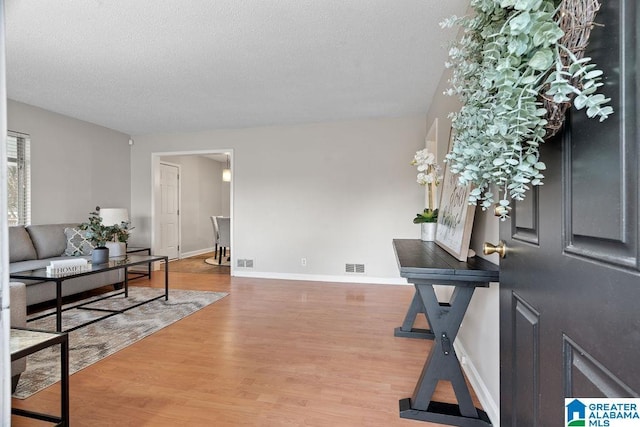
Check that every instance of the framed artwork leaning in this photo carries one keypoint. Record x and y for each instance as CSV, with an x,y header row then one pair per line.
x,y
455,216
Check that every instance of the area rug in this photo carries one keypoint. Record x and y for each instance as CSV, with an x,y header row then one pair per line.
x,y
214,261
93,342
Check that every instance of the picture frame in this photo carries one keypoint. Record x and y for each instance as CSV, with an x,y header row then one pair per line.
x,y
455,215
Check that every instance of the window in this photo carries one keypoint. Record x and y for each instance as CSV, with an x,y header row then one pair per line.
x,y
18,179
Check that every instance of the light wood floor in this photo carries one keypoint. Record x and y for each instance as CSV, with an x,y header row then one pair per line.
x,y
272,353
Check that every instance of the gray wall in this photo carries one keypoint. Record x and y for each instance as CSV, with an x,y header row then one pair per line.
x,y
202,194
333,193
75,165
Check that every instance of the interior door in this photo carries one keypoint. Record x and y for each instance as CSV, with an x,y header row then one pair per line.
x,y
570,285
169,211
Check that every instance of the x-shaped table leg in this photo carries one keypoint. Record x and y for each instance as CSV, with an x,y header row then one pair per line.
x,y
407,330
442,364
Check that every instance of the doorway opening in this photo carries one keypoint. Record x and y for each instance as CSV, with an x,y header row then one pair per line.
x,y
187,189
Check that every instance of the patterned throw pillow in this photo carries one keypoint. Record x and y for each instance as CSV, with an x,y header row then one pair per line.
x,y
77,244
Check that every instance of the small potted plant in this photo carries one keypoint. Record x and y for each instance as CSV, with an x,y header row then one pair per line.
x,y
429,176
98,234
118,237
121,232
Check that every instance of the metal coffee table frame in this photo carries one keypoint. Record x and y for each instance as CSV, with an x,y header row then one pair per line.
x,y
115,263
24,342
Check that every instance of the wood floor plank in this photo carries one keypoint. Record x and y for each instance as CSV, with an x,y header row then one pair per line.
x,y
272,353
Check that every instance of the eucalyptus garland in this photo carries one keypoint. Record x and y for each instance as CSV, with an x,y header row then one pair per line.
x,y
507,61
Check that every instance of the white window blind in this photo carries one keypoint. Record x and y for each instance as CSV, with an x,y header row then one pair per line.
x,y
18,178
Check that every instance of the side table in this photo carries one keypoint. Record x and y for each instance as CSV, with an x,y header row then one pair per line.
x,y
426,264
24,342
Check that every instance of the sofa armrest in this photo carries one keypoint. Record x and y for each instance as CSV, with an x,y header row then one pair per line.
x,y
18,313
18,302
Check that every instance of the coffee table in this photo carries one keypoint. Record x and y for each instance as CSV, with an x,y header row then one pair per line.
x,y
133,250
24,342
115,263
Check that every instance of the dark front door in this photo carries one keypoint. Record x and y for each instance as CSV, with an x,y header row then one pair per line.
x,y
570,283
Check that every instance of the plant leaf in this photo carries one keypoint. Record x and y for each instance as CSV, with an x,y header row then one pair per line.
x,y
541,60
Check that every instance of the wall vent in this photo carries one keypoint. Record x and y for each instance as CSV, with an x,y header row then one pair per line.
x,y
354,268
245,263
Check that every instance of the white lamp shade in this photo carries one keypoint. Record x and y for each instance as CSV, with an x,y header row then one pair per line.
x,y
113,216
226,175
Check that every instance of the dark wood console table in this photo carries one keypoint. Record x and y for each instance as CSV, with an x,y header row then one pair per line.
x,y
425,264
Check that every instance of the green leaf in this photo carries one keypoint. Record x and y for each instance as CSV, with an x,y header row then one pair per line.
x,y
579,102
527,4
592,74
541,60
520,23
546,34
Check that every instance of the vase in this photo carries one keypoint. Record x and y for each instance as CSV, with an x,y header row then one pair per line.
x,y
100,255
428,231
117,249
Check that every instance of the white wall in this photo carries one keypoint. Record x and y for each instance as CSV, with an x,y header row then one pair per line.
x,y
333,193
202,194
5,364
478,342
75,165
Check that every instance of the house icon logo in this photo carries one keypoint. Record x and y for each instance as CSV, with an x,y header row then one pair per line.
x,y
576,413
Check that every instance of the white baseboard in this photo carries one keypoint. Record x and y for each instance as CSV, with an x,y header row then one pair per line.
x,y
321,277
196,253
490,406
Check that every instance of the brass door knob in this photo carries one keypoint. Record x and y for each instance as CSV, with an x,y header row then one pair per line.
x,y
500,249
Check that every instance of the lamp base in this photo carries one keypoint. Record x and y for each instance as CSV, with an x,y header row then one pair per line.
x,y
117,249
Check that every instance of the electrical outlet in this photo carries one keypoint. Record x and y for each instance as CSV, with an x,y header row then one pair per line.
x,y
303,262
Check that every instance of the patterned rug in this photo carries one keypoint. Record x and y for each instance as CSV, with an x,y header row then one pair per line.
x,y
93,342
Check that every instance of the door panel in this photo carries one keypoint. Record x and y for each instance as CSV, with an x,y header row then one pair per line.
x,y
526,345
584,374
570,284
525,224
169,211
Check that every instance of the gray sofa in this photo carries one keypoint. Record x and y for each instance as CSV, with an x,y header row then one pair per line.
x,y
33,246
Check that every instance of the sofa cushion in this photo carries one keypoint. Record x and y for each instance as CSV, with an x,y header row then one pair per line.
x,y
49,239
77,243
20,244
28,265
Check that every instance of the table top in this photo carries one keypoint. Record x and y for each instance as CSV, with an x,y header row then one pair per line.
x,y
113,264
21,340
132,249
427,261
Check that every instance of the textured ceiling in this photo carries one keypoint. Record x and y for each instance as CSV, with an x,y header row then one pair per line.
x,y
151,66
